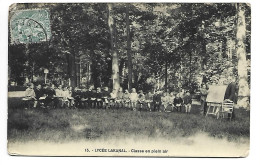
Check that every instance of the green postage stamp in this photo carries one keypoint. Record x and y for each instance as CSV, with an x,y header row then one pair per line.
x,y
30,26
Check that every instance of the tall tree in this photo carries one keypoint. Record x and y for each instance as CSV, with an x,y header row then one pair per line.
x,y
115,66
243,93
129,57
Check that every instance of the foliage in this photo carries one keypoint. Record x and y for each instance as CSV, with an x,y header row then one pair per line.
x,y
181,42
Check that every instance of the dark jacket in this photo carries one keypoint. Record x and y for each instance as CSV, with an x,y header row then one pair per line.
x,y
87,94
38,93
106,94
99,95
157,98
50,92
76,94
230,92
177,100
187,99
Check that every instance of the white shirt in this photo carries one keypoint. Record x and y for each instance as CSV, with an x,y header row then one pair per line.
x,y
59,92
133,97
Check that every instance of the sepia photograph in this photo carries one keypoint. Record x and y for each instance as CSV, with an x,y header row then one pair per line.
x,y
129,79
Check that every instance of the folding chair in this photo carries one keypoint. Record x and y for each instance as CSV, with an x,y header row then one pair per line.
x,y
227,107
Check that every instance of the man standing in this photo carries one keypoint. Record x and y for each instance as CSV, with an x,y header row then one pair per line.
x,y
203,96
230,94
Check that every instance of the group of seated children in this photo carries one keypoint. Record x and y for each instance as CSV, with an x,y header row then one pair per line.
x,y
91,98
43,95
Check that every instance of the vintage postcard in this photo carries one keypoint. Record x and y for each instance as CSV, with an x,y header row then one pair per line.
x,y
129,79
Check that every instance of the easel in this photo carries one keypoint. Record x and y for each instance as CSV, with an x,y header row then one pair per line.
x,y
215,99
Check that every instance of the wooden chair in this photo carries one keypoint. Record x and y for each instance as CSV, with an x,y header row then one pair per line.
x,y
227,107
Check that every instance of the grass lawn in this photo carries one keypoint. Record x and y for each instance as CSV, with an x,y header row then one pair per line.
x,y
62,125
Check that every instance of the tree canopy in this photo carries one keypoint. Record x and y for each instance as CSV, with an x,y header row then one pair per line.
x,y
170,46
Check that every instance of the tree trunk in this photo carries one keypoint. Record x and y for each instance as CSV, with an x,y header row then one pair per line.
x,y
166,75
243,92
224,47
115,66
204,53
77,66
128,49
73,77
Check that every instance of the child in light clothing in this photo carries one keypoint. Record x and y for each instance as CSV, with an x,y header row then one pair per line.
x,y
113,96
65,95
133,98
29,95
165,101
171,98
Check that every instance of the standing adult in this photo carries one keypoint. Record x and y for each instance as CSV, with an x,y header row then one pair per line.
x,y
230,94
203,96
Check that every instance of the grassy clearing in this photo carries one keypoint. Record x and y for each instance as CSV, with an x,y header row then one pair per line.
x,y
61,125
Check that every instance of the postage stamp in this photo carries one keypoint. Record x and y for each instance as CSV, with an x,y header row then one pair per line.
x,y
30,26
